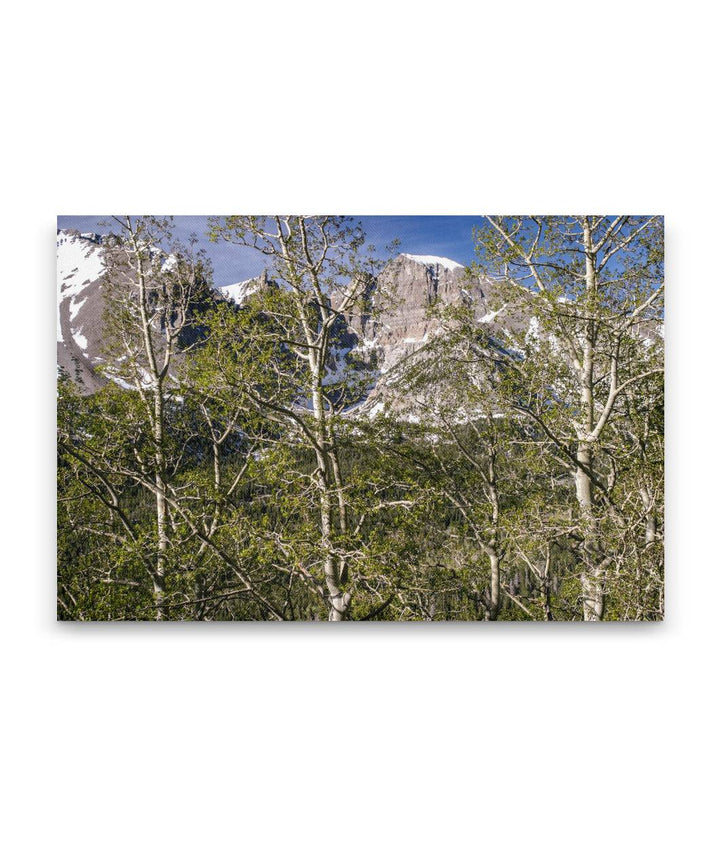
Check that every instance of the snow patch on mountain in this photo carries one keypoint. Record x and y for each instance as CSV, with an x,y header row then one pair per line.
x,y
366,345
414,341
491,316
239,292
533,330
338,358
434,261
79,264
75,307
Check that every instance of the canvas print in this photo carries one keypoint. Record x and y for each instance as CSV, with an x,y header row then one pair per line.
x,y
405,418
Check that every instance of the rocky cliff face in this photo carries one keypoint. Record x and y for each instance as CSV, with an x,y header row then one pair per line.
x,y
394,323
408,288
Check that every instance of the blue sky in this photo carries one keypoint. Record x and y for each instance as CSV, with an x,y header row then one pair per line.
x,y
437,236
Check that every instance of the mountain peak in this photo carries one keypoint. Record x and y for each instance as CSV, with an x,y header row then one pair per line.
x,y
433,261
69,236
238,292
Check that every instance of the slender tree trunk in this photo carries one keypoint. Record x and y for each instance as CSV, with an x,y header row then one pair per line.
x,y
545,585
650,519
591,576
161,508
339,600
157,416
494,605
493,546
340,497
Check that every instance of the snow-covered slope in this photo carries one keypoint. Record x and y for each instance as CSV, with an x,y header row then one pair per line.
x,y
79,264
81,339
239,292
435,261
80,268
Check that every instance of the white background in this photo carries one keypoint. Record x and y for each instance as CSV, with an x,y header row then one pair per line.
x,y
375,739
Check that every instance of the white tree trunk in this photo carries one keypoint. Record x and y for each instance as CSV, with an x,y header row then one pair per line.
x,y
161,507
592,575
339,600
494,605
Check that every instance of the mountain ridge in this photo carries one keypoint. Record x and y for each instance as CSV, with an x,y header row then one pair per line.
x,y
384,336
